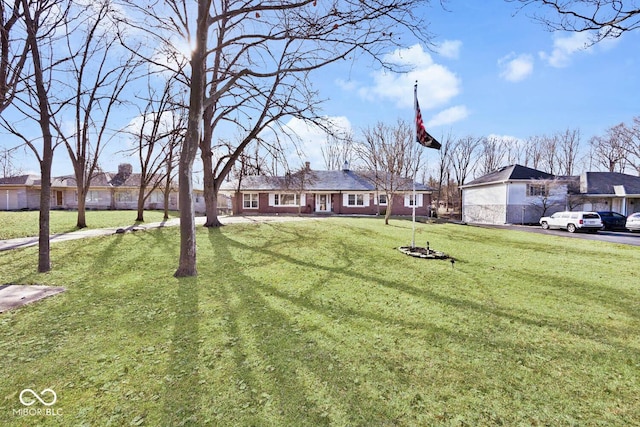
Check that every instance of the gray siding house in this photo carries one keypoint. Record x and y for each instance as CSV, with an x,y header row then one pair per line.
x,y
517,194
108,190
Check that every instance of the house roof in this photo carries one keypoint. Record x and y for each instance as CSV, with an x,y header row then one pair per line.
x,y
609,183
342,180
102,179
20,180
509,173
123,178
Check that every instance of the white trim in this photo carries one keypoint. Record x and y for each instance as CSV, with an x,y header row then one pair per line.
x,y
252,199
365,200
419,200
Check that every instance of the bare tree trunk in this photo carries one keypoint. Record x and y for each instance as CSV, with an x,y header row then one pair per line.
x,y
187,262
387,214
210,193
44,120
141,199
82,208
44,245
166,206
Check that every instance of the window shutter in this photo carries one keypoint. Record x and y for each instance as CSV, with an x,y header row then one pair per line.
x,y
407,201
366,198
345,200
303,199
419,197
272,199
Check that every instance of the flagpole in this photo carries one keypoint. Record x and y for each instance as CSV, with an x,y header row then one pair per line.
x,y
415,138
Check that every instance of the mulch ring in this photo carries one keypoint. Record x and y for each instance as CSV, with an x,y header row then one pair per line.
x,y
420,252
14,296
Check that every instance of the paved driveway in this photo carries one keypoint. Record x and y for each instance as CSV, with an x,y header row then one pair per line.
x,y
620,237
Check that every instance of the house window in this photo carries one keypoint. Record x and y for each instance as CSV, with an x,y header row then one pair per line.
x,y
92,196
124,196
355,200
536,190
285,200
250,201
158,197
382,199
409,200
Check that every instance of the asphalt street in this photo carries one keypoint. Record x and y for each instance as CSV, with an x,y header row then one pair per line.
x,y
620,237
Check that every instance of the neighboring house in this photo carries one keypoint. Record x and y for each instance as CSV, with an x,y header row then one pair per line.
x,y
520,195
107,191
607,191
20,192
310,191
511,195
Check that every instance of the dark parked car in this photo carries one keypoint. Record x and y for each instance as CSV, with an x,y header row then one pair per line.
x,y
613,220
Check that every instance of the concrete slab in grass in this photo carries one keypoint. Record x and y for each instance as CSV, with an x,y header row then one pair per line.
x,y
14,296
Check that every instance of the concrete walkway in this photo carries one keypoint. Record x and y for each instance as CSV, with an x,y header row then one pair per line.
x,y
24,242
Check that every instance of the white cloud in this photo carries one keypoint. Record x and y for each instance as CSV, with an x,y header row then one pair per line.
x,y
515,68
448,116
449,49
437,85
565,47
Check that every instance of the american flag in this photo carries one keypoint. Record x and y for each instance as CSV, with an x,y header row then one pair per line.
x,y
422,136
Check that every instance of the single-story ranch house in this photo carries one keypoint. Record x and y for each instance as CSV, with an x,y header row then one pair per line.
x,y
107,191
320,191
520,195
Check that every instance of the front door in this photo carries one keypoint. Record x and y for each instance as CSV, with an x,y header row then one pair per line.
x,y
323,203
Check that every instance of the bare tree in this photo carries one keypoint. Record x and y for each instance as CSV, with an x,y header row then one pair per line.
x,y
493,150
444,164
391,158
257,72
171,156
298,181
159,130
546,194
463,154
337,150
603,18
533,152
8,167
549,153
247,164
97,80
13,50
610,150
633,146
42,19
568,148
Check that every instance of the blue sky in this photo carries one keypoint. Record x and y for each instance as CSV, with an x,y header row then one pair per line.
x,y
491,71
495,72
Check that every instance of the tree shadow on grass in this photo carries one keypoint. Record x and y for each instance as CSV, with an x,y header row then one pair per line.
x,y
182,380
280,376
619,300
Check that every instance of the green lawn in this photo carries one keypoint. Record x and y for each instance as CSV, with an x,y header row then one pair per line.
x,y
25,224
326,323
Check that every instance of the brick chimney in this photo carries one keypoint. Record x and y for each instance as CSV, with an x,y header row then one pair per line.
x,y
124,172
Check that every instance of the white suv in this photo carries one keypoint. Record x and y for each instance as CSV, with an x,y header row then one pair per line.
x,y
572,221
